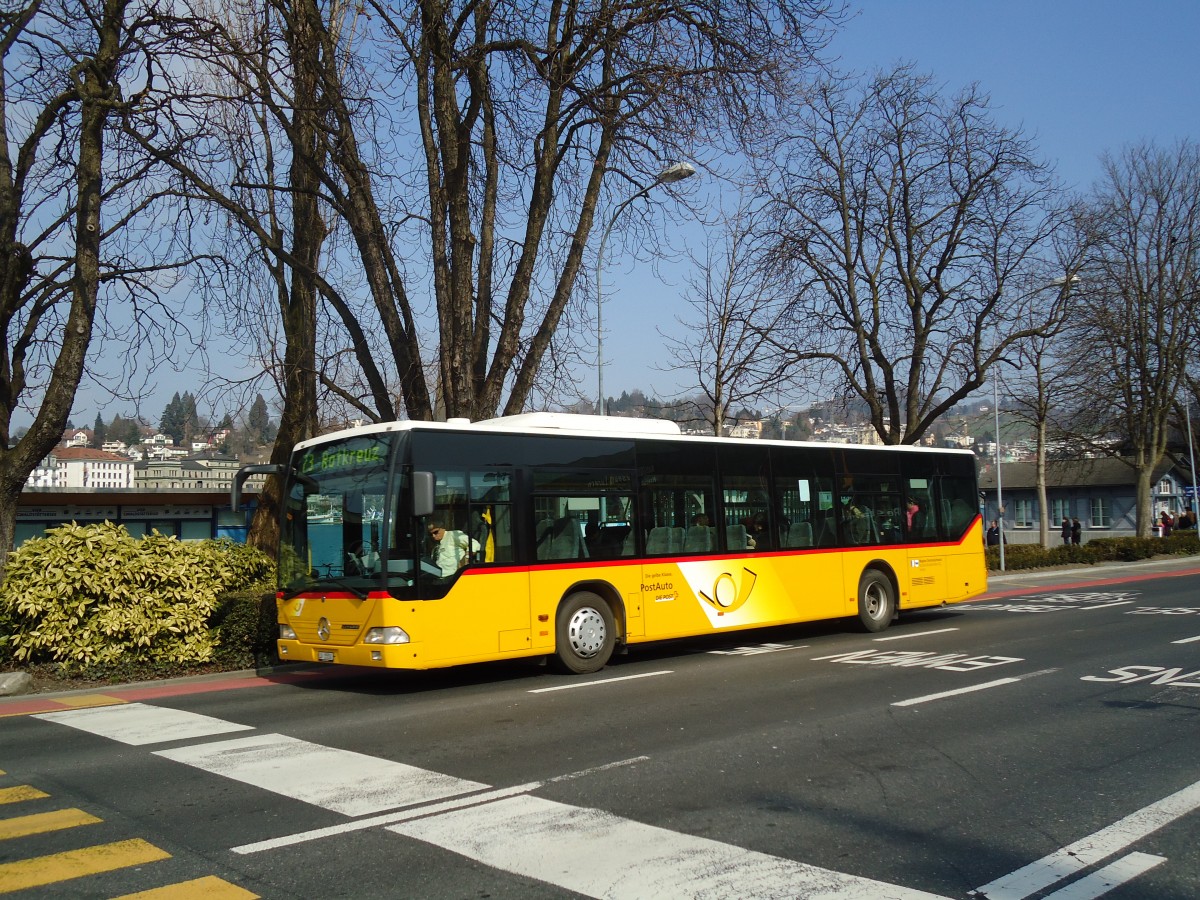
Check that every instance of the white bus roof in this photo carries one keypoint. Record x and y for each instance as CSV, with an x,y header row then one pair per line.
x,y
592,426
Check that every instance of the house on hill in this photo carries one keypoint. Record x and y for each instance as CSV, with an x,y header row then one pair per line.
x,y
82,467
1100,492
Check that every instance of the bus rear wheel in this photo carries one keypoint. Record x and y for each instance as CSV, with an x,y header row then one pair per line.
x,y
876,600
585,634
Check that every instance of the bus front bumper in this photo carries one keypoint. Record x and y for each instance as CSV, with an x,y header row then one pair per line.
x,y
383,656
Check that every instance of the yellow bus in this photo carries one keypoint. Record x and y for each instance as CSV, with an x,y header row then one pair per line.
x,y
415,545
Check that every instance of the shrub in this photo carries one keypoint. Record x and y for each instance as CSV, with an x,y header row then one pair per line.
x,y
92,596
246,623
1123,549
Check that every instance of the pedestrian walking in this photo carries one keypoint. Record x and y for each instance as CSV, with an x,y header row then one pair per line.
x,y
1066,530
1076,531
1167,522
993,534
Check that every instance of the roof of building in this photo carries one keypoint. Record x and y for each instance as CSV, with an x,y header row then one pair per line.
x,y
1099,472
87,454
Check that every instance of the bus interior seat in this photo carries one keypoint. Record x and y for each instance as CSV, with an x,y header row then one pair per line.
x,y
826,532
543,534
960,516
800,534
861,529
659,540
677,537
699,539
735,537
567,541
628,548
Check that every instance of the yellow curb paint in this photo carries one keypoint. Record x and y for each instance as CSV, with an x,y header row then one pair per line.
x,y
209,888
20,793
40,823
43,870
89,700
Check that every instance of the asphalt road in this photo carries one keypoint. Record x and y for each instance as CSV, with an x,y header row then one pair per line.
x,y
1041,742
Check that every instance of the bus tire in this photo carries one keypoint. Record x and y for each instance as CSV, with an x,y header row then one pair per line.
x,y
585,634
876,600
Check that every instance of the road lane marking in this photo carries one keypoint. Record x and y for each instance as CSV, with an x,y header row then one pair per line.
x,y
1108,841
904,637
353,784
42,823
966,690
598,854
432,809
1188,640
599,682
138,724
20,793
43,870
210,888
757,649
1000,682
1111,876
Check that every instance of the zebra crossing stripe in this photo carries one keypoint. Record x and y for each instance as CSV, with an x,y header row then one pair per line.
x,y
42,823
20,793
43,870
342,781
598,854
138,724
210,888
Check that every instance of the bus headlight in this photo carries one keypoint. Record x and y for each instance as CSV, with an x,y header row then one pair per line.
x,y
286,633
389,635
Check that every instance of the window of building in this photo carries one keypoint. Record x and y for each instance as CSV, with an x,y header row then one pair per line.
x,y
1101,513
1059,509
1023,513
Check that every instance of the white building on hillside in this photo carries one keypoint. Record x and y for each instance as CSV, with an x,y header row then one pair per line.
x,y
81,467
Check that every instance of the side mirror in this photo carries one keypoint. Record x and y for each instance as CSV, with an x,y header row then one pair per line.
x,y
422,493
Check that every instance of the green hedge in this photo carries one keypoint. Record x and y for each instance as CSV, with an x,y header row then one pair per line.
x,y
1122,549
92,598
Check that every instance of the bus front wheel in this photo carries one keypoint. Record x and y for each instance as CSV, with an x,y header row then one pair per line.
x,y
585,634
876,600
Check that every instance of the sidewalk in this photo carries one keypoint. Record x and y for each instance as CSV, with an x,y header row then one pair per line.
x,y
1100,573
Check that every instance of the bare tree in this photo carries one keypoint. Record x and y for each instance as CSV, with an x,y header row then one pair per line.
x,y
529,118
1140,317
726,346
911,224
66,190
1035,382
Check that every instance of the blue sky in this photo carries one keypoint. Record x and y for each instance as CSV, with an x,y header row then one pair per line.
x,y
1080,76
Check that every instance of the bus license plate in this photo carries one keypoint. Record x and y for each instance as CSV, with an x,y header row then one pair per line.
x,y
324,656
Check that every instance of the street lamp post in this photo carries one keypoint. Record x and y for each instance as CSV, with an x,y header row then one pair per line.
x,y
1193,506
674,173
999,481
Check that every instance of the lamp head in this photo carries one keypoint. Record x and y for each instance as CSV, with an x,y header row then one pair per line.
x,y
677,172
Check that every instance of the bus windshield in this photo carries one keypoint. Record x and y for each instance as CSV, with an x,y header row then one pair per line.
x,y
334,516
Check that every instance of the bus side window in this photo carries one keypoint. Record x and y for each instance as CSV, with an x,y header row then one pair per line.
x,y
490,516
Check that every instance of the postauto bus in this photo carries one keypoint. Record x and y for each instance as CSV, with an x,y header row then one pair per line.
x,y
414,545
